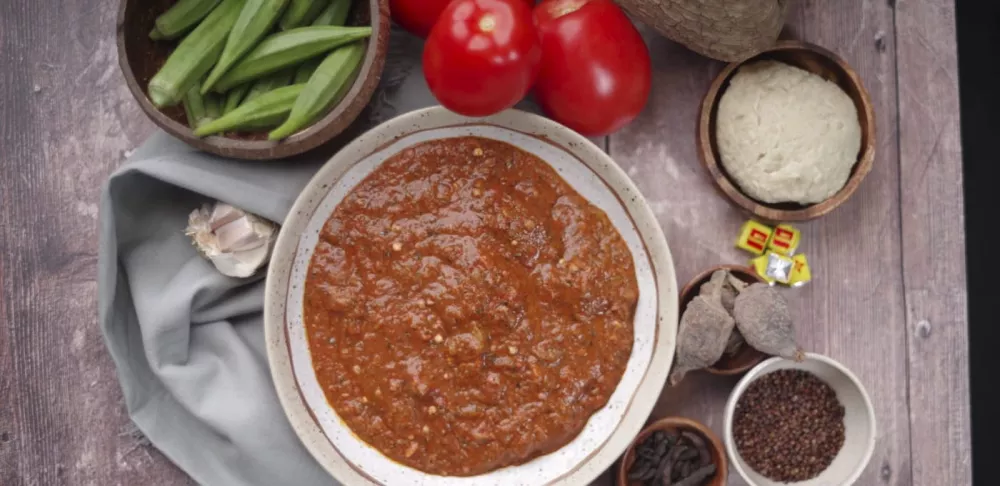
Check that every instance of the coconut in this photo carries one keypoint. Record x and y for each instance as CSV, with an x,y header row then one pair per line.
x,y
728,30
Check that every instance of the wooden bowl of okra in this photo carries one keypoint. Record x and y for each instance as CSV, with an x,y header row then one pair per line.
x,y
253,79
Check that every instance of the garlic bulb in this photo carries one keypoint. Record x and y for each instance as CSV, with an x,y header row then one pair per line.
x,y
235,241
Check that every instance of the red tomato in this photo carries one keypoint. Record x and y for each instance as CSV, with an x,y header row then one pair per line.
x,y
418,16
596,75
482,56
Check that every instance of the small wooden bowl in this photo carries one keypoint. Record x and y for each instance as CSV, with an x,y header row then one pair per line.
x,y
140,58
814,59
676,424
747,357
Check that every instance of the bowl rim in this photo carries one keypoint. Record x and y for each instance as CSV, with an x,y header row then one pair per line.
x,y
759,371
676,422
768,211
332,124
654,376
702,277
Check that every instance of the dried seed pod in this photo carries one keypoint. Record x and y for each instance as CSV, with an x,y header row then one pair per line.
x,y
762,316
666,468
699,444
729,291
704,331
736,283
698,476
735,342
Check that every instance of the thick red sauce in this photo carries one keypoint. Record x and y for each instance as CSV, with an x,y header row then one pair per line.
x,y
466,309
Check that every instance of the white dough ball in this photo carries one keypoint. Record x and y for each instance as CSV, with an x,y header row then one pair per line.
x,y
785,134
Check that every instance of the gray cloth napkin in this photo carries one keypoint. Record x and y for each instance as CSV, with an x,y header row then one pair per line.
x,y
187,341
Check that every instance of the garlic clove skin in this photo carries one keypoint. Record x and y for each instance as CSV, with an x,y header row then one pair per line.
x,y
237,243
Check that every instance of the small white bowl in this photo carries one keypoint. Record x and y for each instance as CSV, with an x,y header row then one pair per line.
x,y
859,422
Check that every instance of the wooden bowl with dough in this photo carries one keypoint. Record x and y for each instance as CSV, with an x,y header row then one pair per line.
x,y
814,59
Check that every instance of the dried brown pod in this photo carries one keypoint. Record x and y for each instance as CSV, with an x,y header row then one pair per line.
x,y
735,342
728,30
763,318
729,291
704,332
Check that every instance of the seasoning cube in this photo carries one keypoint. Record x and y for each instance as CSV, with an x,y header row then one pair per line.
x,y
759,265
773,267
785,239
754,237
800,271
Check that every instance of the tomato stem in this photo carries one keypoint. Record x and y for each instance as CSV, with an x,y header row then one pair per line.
x,y
566,7
487,23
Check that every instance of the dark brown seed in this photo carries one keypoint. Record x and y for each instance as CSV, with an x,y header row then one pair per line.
x,y
698,477
789,425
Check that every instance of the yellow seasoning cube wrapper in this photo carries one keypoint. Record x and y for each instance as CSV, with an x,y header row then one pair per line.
x,y
785,239
754,237
773,267
800,271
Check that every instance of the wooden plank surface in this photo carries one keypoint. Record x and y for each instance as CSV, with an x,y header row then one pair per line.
x,y
66,120
888,300
934,245
853,311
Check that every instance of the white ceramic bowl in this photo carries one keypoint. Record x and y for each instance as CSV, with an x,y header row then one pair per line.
x,y
585,167
859,422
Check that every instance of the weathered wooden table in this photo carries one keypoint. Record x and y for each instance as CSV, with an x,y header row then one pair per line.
x,y
888,297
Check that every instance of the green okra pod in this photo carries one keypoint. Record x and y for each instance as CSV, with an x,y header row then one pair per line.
x,y
234,97
301,12
289,48
265,107
265,123
181,17
269,83
194,107
213,106
306,70
200,109
194,56
332,79
254,22
334,14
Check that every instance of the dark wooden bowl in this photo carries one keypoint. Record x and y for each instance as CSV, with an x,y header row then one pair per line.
x,y
140,58
677,424
747,357
814,59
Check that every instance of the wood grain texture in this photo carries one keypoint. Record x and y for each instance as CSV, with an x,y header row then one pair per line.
x,y
66,120
934,245
853,310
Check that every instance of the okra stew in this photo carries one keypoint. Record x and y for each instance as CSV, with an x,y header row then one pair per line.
x,y
466,309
